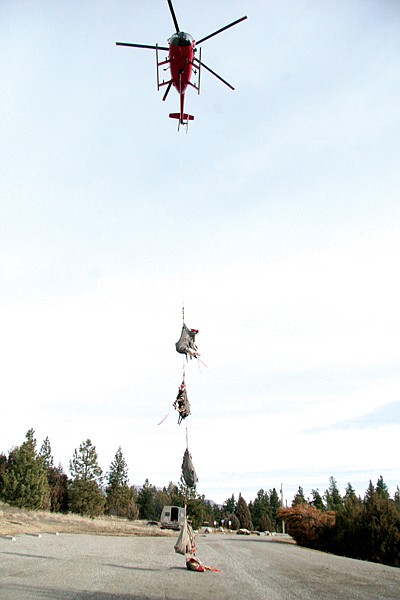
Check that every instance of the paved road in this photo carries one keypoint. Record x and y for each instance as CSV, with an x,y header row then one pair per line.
x,y
83,567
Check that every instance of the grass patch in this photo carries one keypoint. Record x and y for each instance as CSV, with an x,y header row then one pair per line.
x,y
14,521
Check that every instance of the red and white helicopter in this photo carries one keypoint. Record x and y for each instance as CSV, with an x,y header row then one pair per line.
x,y
181,60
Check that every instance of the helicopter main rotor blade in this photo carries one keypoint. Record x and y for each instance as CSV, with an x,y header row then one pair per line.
x,y
171,8
142,46
220,30
214,73
168,88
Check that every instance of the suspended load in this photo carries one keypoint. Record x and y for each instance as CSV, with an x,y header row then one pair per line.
x,y
185,543
186,344
188,470
181,403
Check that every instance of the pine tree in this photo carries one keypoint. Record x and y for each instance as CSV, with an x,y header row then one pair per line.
x,y
243,514
382,489
196,511
85,495
3,466
347,537
274,502
85,498
45,453
84,463
25,477
317,500
233,520
370,493
229,505
397,498
118,473
299,497
149,508
260,510
172,495
350,493
121,499
58,482
333,499
381,527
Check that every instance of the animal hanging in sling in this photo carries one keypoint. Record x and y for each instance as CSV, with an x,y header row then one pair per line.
x,y
181,403
186,343
188,471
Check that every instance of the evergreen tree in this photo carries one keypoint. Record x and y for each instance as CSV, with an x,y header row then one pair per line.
x,y
45,453
172,495
58,482
118,473
122,502
121,499
396,498
196,511
25,478
243,514
149,505
84,463
3,466
85,495
382,489
260,510
86,498
229,506
347,537
350,493
317,500
381,527
333,499
212,512
370,493
267,524
196,508
299,497
274,502
234,521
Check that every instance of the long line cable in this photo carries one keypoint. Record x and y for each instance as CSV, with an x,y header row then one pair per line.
x,y
182,247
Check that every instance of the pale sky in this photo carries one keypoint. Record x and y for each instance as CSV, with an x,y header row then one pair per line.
x,y
275,219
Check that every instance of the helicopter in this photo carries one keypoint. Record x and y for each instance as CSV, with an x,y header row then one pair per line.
x,y
182,62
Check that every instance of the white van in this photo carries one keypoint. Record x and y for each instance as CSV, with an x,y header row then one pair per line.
x,y
172,517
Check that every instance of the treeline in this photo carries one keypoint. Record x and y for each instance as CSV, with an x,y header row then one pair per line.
x,y
367,528
29,479
364,528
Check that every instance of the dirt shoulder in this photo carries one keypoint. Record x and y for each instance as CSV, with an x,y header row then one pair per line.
x,y
14,521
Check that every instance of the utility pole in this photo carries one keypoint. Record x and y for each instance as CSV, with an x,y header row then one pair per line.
x,y
283,522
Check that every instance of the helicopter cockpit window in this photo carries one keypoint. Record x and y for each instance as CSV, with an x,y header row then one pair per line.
x,y
181,39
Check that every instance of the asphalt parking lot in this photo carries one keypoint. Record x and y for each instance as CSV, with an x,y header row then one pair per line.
x,y
85,567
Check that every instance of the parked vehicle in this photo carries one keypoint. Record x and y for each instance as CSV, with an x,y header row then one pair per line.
x,y
172,517
243,531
